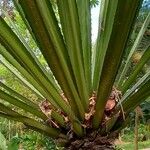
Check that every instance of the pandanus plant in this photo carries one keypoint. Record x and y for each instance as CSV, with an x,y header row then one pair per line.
x,y
85,94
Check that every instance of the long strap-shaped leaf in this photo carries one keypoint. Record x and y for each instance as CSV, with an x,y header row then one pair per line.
x,y
23,105
84,12
40,35
137,69
17,49
25,82
10,114
134,47
123,21
35,125
56,116
136,86
106,20
17,95
28,77
134,100
71,31
52,46
15,29
21,55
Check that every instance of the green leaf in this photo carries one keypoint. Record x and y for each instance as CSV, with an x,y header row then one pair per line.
x,y
15,29
8,113
22,105
136,86
17,95
3,142
135,99
71,32
47,34
62,33
134,47
11,69
118,40
34,125
13,45
26,74
34,106
52,46
84,12
137,69
106,20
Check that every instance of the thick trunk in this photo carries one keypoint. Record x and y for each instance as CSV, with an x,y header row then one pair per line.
x,y
93,147
92,141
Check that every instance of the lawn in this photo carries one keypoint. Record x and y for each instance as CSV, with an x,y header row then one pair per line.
x,y
130,145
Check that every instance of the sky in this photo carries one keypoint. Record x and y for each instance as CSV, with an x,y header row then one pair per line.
x,y
95,16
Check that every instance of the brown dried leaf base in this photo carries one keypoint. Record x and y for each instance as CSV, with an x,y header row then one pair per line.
x,y
92,141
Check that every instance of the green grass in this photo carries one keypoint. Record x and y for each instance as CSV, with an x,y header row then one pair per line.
x,y
127,138
130,146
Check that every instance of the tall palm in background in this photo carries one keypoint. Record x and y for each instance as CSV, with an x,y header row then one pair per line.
x,y
85,95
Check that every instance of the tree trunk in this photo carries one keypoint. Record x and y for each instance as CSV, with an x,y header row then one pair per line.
x,y
136,129
95,147
89,145
92,141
